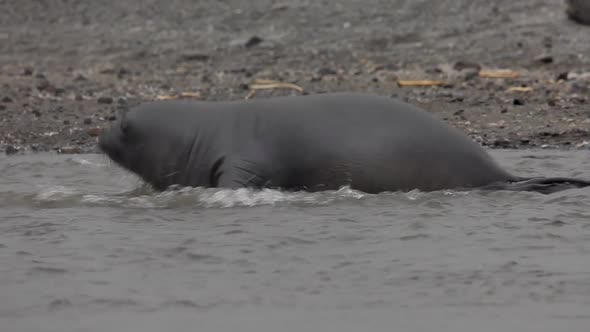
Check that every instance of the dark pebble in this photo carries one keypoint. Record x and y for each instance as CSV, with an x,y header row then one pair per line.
x,y
11,150
79,97
69,150
504,110
80,78
28,71
545,59
87,121
112,118
7,100
66,122
40,76
433,70
94,132
37,113
244,86
122,72
326,71
518,101
253,41
122,101
459,112
562,76
501,142
105,100
195,57
2,107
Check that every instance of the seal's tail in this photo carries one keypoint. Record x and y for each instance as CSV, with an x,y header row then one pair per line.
x,y
541,185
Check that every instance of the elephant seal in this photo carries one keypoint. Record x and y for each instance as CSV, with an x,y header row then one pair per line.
x,y
311,143
578,11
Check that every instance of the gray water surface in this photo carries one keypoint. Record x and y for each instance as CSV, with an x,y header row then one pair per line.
x,y
84,248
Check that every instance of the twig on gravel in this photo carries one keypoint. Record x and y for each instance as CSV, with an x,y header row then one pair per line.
x,y
420,83
500,73
262,84
520,89
181,95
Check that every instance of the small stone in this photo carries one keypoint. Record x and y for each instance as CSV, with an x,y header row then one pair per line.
x,y
27,71
195,57
79,97
36,113
10,150
464,64
80,78
105,100
7,100
122,101
94,131
253,41
459,112
2,107
66,122
69,150
544,59
518,102
504,110
326,71
501,142
87,121
122,72
112,118
562,76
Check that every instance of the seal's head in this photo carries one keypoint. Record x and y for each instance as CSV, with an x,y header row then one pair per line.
x,y
154,141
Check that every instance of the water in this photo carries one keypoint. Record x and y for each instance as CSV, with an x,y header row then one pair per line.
x,y
83,247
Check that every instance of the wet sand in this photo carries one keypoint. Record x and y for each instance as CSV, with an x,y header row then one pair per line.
x,y
67,68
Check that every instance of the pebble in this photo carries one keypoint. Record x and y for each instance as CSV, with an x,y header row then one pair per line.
x,y
518,102
11,150
66,122
463,64
2,107
37,113
562,76
87,121
544,59
326,71
69,149
7,100
195,57
105,100
253,41
94,131
27,71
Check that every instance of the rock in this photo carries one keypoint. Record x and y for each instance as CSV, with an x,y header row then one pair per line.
x,y
87,121
195,57
94,131
578,11
66,122
36,112
501,143
2,107
69,149
80,78
459,112
27,71
253,41
464,64
544,59
122,72
7,100
504,110
518,102
105,100
112,118
326,71
562,76
10,150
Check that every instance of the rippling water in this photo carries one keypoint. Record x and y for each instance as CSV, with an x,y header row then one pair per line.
x,y
83,247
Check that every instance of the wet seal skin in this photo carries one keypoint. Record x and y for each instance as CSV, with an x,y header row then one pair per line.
x,y
579,11
313,142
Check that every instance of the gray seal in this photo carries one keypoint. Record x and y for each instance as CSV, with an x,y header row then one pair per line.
x,y
311,143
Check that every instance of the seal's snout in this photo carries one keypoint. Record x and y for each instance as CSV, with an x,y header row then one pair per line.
x,y
109,142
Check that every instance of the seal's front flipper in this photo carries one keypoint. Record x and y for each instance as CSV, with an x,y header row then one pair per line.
x,y
542,185
248,170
